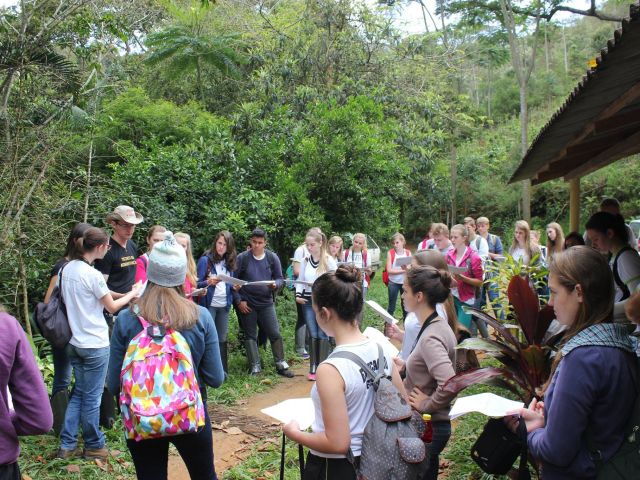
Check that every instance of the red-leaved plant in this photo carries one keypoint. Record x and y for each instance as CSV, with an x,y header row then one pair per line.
x,y
525,363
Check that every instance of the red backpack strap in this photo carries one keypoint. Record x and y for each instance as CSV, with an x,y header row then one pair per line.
x,y
346,254
364,259
407,253
393,255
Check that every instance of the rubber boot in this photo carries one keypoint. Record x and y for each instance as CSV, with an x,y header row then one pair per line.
x,y
253,355
313,359
59,403
223,356
301,334
282,367
324,349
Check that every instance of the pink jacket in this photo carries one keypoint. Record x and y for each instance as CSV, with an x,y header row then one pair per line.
x,y
472,261
141,268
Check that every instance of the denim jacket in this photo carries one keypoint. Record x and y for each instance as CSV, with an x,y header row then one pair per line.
x,y
202,340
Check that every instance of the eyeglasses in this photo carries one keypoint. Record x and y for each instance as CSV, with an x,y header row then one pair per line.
x,y
124,224
108,245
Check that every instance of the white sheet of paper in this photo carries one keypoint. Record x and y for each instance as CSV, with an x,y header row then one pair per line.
x,y
499,258
378,337
400,261
458,270
489,404
298,409
381,311
300,282
233,281
261,282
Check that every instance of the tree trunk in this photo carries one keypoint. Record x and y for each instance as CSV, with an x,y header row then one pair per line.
x,y
88,185
524,127
199,80
5,90
23,285
454,180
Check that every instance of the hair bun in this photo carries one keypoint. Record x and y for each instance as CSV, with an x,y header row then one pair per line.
x,y
445,278
348,274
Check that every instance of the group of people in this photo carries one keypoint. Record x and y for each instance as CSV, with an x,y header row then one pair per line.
x,y
111,294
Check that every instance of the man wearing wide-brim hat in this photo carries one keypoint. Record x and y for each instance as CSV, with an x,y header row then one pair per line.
x,y
119,264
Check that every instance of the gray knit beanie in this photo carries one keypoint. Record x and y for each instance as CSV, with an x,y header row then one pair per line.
x,y
167,263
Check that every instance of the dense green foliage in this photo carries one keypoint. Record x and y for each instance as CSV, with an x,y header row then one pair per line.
x,y
211,115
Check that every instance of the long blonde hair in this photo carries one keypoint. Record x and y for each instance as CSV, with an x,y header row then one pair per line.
x,y
336,240
557,245
317,235
192,273
167,306
528,249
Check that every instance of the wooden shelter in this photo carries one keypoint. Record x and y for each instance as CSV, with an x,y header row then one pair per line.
x,y
599,122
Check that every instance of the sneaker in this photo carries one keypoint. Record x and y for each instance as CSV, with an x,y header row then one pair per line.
x,y
96,453
68,454
311,377
304,355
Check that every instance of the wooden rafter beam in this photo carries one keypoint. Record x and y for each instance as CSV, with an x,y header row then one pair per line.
x,y
620,150
617,121
628,97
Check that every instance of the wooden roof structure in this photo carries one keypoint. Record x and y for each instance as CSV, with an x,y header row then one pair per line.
x,y
599,122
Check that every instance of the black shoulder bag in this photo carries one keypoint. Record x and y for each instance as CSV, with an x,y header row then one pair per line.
x,y
51,317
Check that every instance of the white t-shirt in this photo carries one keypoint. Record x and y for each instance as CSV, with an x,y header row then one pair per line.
x,y
358,392
398,278
219,299
301,253
480,245
82,288
356,259
412,329
628,271
519,253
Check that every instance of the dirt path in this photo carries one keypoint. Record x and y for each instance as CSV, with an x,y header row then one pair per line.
x,y
237,428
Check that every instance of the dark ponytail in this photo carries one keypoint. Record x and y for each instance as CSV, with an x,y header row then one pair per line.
x,y
341,291
73,239
92,238
434,284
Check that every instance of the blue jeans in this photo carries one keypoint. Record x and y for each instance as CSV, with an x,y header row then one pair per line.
x,y
441,434
61,370
220,317
90,370
394,290
312,324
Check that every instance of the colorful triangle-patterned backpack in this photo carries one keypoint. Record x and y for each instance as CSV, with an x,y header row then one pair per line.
x,y
159,392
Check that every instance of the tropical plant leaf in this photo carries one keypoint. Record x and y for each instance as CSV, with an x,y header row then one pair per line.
x,y
525,305
535,366
487,345
507,385
499,327
545,317
459,382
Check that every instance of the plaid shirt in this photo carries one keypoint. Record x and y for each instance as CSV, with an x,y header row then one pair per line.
x,y
604,335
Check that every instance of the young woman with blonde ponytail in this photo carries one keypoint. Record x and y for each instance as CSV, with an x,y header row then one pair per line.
x,y
315,264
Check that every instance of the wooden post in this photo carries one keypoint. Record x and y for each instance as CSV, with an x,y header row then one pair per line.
x,y
574,204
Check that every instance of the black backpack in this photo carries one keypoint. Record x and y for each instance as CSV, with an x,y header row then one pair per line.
x,y
51,317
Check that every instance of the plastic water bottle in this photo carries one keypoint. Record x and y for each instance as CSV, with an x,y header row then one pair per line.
x,y
427,435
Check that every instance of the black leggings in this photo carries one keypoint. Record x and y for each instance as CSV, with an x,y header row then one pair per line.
x,y
10,471
151,457
320,468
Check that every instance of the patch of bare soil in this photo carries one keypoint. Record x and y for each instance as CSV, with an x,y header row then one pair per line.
x,y
237,428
